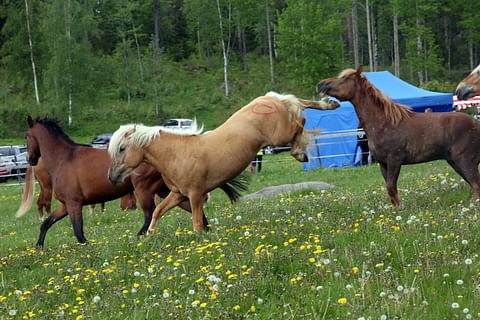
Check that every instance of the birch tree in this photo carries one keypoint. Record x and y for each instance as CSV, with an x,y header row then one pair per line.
x,y
225,46
32,60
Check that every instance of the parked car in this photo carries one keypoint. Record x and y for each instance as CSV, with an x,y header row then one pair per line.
x,y
13,161
178,124
101,141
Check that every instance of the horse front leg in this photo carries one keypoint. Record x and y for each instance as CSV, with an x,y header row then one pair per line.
x,y
392,173
173,199
57,215
75,212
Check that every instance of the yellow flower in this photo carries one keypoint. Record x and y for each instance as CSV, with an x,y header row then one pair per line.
x,y
342,300
236,307
355,269
213,296
203,305
253,309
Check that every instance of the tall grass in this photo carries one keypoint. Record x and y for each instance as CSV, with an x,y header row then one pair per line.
x,y
342,253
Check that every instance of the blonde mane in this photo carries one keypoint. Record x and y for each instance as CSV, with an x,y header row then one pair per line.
x,y
395,112
141,135
292,103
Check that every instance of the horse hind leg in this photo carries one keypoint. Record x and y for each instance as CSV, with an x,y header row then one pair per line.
x,y
469,173
75,212
390,173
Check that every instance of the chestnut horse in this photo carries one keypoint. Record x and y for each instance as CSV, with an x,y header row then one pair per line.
x,y
470,86
192,164
397,136
44,201
79,177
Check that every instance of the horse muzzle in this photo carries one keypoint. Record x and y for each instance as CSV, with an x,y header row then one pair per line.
x,y
464,92
114,177
323,87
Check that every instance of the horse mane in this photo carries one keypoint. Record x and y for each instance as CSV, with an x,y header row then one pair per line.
x,y
292,103
55,129
395,112
142,135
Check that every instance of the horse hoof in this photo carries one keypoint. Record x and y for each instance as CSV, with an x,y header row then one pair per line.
x,y
39,246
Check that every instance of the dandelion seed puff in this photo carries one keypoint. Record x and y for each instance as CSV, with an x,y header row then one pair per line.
x,y
400,288
361,318
468,261
349,286
287,211
440,237
61,313
133,290
136,274
246,234
326,261
383,294
468,316
238,218
464,242
465,310
12,312
398,218
455,305
383,317
166,295
191,292
259,300
336,274
319,288
96,299
18,292
459,282
446,275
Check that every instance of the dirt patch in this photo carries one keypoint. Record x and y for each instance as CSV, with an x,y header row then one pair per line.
x,y
286,188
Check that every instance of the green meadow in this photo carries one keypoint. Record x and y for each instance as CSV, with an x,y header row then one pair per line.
x,y
341,253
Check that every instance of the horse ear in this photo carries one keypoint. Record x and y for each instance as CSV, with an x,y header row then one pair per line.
x,y
30,121
359,69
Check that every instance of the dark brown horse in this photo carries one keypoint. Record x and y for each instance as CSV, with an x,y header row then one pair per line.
x,y
44,201
470,86
79,177
397,136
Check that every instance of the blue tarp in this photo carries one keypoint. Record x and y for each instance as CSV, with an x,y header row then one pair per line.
x,y
341,151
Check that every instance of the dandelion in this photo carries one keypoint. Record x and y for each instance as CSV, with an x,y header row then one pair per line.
x,y
191,292
383,294
195,303
133,290
12,312
259,300
383,317
238,218
236,307
468,261
460,282
464,242
342,300
253,309
465,310
398,218
96,299
18,292
455,305
319,288
136,274
166,294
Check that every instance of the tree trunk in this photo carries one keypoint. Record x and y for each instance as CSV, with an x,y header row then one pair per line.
x,y
68,23
419,51
356,58
159,42
396,47
126,71
448,43
470,54
224,50
139,56
369,35
30,43
374,42
270,49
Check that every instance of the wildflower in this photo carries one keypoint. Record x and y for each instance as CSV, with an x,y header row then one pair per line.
x,y
253,309
342,300
460,282
465,310
468,261
400,288
238,218
455,305
136,274
166,294
195,303
191,292
259,300
96,299
355,269
12,312
383,317
464,242
236,307
319,288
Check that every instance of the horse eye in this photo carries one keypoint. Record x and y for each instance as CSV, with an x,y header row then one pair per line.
x,y
121,149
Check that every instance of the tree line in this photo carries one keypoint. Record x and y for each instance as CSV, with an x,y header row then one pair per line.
x,y
71,53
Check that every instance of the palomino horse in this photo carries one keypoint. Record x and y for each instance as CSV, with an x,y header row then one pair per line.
x,y
44,201
79,177
192,164
470,86
397,136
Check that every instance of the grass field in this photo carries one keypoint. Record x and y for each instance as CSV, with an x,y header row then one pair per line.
x,y
336,254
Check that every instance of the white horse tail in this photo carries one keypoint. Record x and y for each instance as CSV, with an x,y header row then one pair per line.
x,y
28,193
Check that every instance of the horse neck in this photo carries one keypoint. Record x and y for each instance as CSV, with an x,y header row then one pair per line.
x,y
369,114
53,151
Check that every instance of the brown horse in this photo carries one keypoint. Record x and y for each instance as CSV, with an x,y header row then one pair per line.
x,y
193,164
79,177
44,201
470,86
397,136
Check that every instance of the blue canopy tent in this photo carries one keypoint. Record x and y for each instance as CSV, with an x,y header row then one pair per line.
x,y
336,145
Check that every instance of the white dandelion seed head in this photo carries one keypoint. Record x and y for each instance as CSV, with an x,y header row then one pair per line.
x,y
12,312
191,292
465,310
383,294
134,290
238,218
246,234
383,317
468,261
166,295
459,282
319,288
18,292
398,218
455,305
96,299
136,274
400,288
464,242
446,275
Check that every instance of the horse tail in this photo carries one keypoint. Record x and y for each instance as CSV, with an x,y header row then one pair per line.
x,y
28,193
233,187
